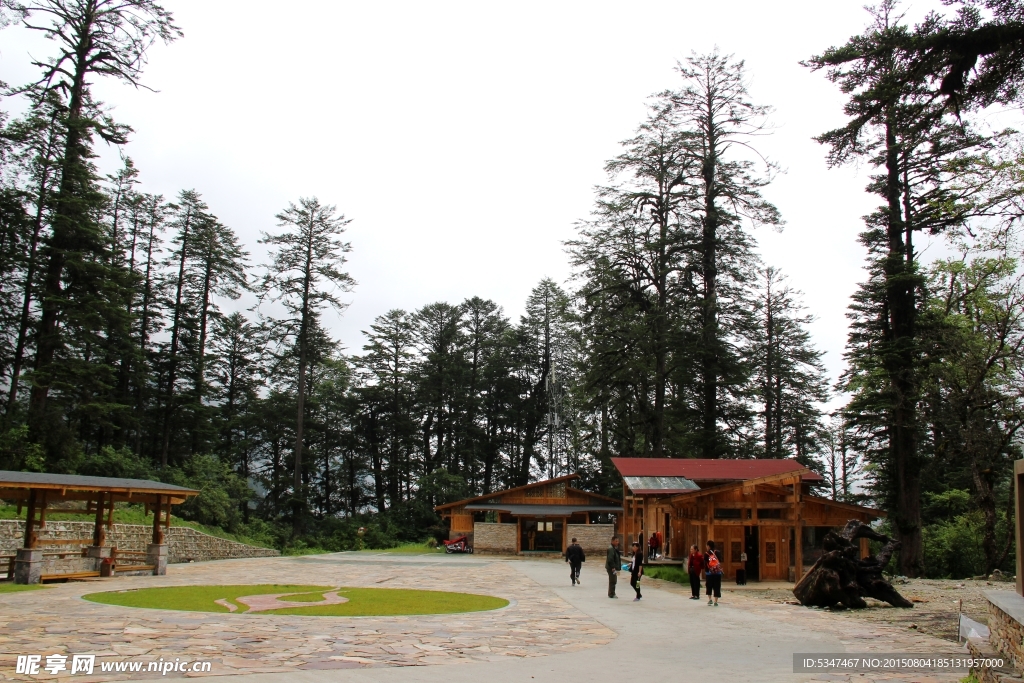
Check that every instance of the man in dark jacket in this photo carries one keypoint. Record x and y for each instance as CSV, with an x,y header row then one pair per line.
x,y
612,563
575,557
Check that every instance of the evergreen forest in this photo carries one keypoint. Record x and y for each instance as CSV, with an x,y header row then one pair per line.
x,y
125,349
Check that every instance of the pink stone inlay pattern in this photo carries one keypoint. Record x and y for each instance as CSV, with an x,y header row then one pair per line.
x,y
263,603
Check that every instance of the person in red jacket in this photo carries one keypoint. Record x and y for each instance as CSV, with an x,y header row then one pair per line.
x,y
694,566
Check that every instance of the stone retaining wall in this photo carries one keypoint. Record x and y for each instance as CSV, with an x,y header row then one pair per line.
x,y
593,538
184,544
1006,630
489,537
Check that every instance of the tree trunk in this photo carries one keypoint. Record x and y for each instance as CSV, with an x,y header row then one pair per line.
x,y
66,232
30,275
175,333
899,364
840,577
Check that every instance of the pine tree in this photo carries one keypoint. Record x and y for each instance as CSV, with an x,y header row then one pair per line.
x,y
306,260
898,126
93,38
714,105
789,374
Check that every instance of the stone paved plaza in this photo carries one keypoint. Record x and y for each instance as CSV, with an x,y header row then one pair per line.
x,y
550,631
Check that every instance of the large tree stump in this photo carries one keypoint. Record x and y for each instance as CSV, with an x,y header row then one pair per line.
x,y
841,577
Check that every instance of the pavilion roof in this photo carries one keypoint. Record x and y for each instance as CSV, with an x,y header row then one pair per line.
x,y
15,485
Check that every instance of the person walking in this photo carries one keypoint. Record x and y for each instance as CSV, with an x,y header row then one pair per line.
x,y
694,566
713,573
652,547
612,563
636,570
575,557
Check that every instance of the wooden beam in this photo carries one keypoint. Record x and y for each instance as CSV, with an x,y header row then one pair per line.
x,y
1018,502
798,532
746,505
157,511
42,510
110,516
30,534
99,536
743,485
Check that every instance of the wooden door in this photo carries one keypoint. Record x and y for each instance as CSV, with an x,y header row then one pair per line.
x,y
773,567
731,552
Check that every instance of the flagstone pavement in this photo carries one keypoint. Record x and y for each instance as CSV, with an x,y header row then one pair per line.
x,y
550,630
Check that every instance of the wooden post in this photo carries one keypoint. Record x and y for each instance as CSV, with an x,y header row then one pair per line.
x,y
157,511
30,534
42,509
1018,488
798,533
711,523
98,534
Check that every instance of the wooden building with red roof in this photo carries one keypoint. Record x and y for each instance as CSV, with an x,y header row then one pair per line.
x,y
763,515
537,518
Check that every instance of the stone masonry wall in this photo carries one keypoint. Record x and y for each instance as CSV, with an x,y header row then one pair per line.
x,y
184,544
489,537
593,538
1007,635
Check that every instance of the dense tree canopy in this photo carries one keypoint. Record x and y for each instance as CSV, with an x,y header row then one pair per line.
x,y
125,350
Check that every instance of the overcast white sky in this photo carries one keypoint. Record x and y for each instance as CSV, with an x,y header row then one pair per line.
x,y
463,139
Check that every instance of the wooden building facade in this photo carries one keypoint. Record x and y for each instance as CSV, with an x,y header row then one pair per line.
x,y
538,517
761,514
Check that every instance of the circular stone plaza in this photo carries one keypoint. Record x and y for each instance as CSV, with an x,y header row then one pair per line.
x,y
526,622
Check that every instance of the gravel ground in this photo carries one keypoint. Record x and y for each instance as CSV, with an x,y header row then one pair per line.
x,y
935,604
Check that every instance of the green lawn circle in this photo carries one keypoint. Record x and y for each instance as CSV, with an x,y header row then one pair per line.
x,y
362,602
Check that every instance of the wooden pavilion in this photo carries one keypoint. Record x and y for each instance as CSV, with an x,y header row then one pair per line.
x,y
35,493
539,517
762,514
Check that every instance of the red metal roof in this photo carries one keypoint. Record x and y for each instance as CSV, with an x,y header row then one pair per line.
x,y
703,469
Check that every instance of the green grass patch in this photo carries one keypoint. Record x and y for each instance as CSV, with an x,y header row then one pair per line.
x,y
674,574
8,587
194,598
405,548
362,602
378,602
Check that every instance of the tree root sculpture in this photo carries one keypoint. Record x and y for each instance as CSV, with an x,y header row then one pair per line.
x,y
840,577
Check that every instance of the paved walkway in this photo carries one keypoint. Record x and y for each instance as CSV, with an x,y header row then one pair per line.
x,y
550,632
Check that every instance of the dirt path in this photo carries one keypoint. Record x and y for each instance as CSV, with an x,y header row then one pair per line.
x,y
935,605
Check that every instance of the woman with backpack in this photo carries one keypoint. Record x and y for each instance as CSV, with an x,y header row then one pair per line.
x,y
694,566
713,573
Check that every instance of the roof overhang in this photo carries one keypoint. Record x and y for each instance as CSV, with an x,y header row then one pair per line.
x,y
16,486
540,510
747,485
652,486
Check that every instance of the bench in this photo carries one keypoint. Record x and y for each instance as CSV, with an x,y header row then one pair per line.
x,y
136,568
68,577
10,565
131,556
